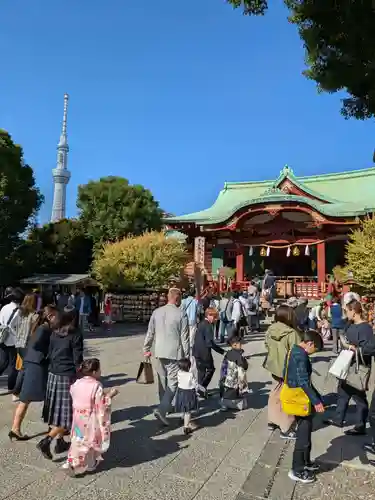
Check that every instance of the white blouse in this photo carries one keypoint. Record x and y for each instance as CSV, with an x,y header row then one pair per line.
x,y
186,380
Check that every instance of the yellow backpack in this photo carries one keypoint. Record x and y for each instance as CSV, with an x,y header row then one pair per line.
x,y
294,400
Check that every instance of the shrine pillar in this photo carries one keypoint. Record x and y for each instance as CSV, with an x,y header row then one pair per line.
x,y
240,265
321,262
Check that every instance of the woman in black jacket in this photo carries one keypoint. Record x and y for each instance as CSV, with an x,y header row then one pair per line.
x,y
65,357
35,370
203,345
357,334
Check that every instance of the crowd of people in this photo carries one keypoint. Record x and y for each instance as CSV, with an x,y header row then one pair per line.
x,y
42,347
185,332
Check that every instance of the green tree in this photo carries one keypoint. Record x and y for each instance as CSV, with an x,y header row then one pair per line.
x,y
339,39
360,254
20,201
149,260
60,247
111,208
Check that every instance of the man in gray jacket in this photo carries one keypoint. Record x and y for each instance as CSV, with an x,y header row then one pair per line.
x,y
169,329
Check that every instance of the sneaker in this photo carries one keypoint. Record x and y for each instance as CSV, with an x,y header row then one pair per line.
x,y
61,446
370,448
291,435
356,431
272,427
162,418
312,467
305,476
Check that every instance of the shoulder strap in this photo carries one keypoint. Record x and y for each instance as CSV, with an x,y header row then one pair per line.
x,y
12,316
286,367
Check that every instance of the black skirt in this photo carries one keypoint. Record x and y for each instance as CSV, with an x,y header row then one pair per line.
x,y
58,405
34,383
186,401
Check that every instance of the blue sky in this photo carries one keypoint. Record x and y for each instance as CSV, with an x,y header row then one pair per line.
x,y
177,96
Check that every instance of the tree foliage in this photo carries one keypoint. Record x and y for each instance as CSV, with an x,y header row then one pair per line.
x,y
339,39
360,254
20,199
59,247
111,208
149,260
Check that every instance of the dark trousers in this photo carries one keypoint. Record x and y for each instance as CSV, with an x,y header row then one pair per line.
x,y
302,447
344,394
8,356
206,370
336,332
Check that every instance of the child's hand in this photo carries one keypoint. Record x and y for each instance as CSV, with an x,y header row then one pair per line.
x,y
113,392
319,408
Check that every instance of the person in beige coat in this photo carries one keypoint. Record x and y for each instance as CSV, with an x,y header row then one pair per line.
x,y
281,336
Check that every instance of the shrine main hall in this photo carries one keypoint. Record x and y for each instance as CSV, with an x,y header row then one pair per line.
x,y
296,226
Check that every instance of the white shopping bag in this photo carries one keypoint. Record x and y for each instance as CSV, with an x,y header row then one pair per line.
x,y
193,367
341,365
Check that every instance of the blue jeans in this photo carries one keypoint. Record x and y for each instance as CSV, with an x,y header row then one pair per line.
x,y
225,329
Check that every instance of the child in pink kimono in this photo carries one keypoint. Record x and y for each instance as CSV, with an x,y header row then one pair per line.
x,y
91,427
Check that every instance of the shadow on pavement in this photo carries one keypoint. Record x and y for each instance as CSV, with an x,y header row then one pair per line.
x,y
135,445
116,380
341,449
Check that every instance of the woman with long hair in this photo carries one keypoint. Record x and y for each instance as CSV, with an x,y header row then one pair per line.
x,y
23,324
358,334
35,370
281,336
65,358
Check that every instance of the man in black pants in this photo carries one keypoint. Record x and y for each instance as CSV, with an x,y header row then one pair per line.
x,y
203,344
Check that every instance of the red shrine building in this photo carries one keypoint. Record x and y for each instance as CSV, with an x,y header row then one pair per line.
x,y
295,226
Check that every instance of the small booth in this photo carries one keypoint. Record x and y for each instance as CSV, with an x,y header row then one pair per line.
x,y
48,284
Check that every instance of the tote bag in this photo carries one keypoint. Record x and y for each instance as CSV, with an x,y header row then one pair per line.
x,y
341,365
359,373
294,400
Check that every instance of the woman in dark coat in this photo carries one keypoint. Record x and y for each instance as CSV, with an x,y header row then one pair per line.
x,y
203,345
65,357
358,334
35,370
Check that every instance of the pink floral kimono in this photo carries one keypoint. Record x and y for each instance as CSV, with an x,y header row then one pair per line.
x,y
91,427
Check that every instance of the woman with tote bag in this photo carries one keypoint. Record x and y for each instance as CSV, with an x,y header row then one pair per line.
x,y
357,334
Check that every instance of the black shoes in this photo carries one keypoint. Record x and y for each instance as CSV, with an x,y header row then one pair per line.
x,y
304,477
44,446
17,437
370,448
61,446
335,423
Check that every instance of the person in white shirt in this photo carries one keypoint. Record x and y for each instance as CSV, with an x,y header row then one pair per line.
x,y
186,396
8,351
237,311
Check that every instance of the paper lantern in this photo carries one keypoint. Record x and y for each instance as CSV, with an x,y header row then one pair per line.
x,y
268,251
307,250
288,252
263,252
251,251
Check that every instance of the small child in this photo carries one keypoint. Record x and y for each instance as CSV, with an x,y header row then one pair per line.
x,y
91,426
186,397
298,369
233,381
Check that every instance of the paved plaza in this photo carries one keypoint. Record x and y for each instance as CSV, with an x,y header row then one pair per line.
x,y
230,457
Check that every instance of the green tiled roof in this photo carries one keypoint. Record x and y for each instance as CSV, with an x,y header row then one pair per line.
x,y
344,194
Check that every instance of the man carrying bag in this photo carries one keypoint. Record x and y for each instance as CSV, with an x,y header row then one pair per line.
x,y
169,329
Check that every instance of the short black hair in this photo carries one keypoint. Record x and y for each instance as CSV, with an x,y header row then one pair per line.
x,y
235,339
17,295
313,336
184,364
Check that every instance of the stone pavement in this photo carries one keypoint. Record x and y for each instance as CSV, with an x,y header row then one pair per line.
x,y
230,457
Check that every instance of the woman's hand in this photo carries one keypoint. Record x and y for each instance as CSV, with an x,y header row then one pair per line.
x,y
352,348
319,408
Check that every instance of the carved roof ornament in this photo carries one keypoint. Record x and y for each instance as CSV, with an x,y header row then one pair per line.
x,y
273,190
287,171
